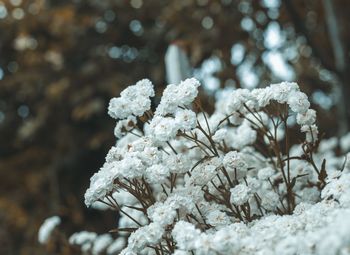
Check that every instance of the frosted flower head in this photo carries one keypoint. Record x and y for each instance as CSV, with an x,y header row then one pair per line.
x,y
281,91
240,194
185,234
263,96
265,173
47,228
179,163
204,172
143,88
219,135
306,118
217,218
298,102
157,173
119,108
133,100
162,213
345,142
237,99
101,183
186,119
178,95
311,133
188,91
163,128
116,246
123,126
82,237
234,160
101,243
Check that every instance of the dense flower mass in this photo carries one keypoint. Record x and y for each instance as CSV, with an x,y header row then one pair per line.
x,y
186,182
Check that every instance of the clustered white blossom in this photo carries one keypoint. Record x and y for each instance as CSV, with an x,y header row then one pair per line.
x,y
186,182
47,228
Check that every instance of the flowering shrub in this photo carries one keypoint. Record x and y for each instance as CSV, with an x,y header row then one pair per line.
x,y
186,182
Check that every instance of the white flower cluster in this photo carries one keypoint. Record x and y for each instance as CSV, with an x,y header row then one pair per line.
x,y
133,102
226,183
47,228
92,243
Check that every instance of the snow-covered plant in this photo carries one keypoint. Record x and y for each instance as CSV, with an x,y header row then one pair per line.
x,y
188,182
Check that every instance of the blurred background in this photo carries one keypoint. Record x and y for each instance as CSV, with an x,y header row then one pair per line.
x,y
61,61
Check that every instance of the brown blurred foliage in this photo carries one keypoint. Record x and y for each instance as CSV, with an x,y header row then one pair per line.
x,y
61,61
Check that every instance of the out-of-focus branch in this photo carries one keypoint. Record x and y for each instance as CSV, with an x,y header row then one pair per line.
x,y
177,64
334,36
301,29
340,64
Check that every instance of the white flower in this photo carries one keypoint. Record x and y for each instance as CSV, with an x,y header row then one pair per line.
x,y
240,194
240,137
265,173
179,163
188,91
101,183
311,133
217,218
149,234
298,102
205,245
131,167
133,100
47,228
101,243
328,144
114,154
143,88
117,245
226,240
269,200
157,173
126,222
178,95
290,246
258,119
186,119
84,239
204,172
162,213
185,235
237,100
345,142
219,135
307,118
263,96
234,160
281,91
163,128
181,252
119,108
336,187
123,197
123,126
